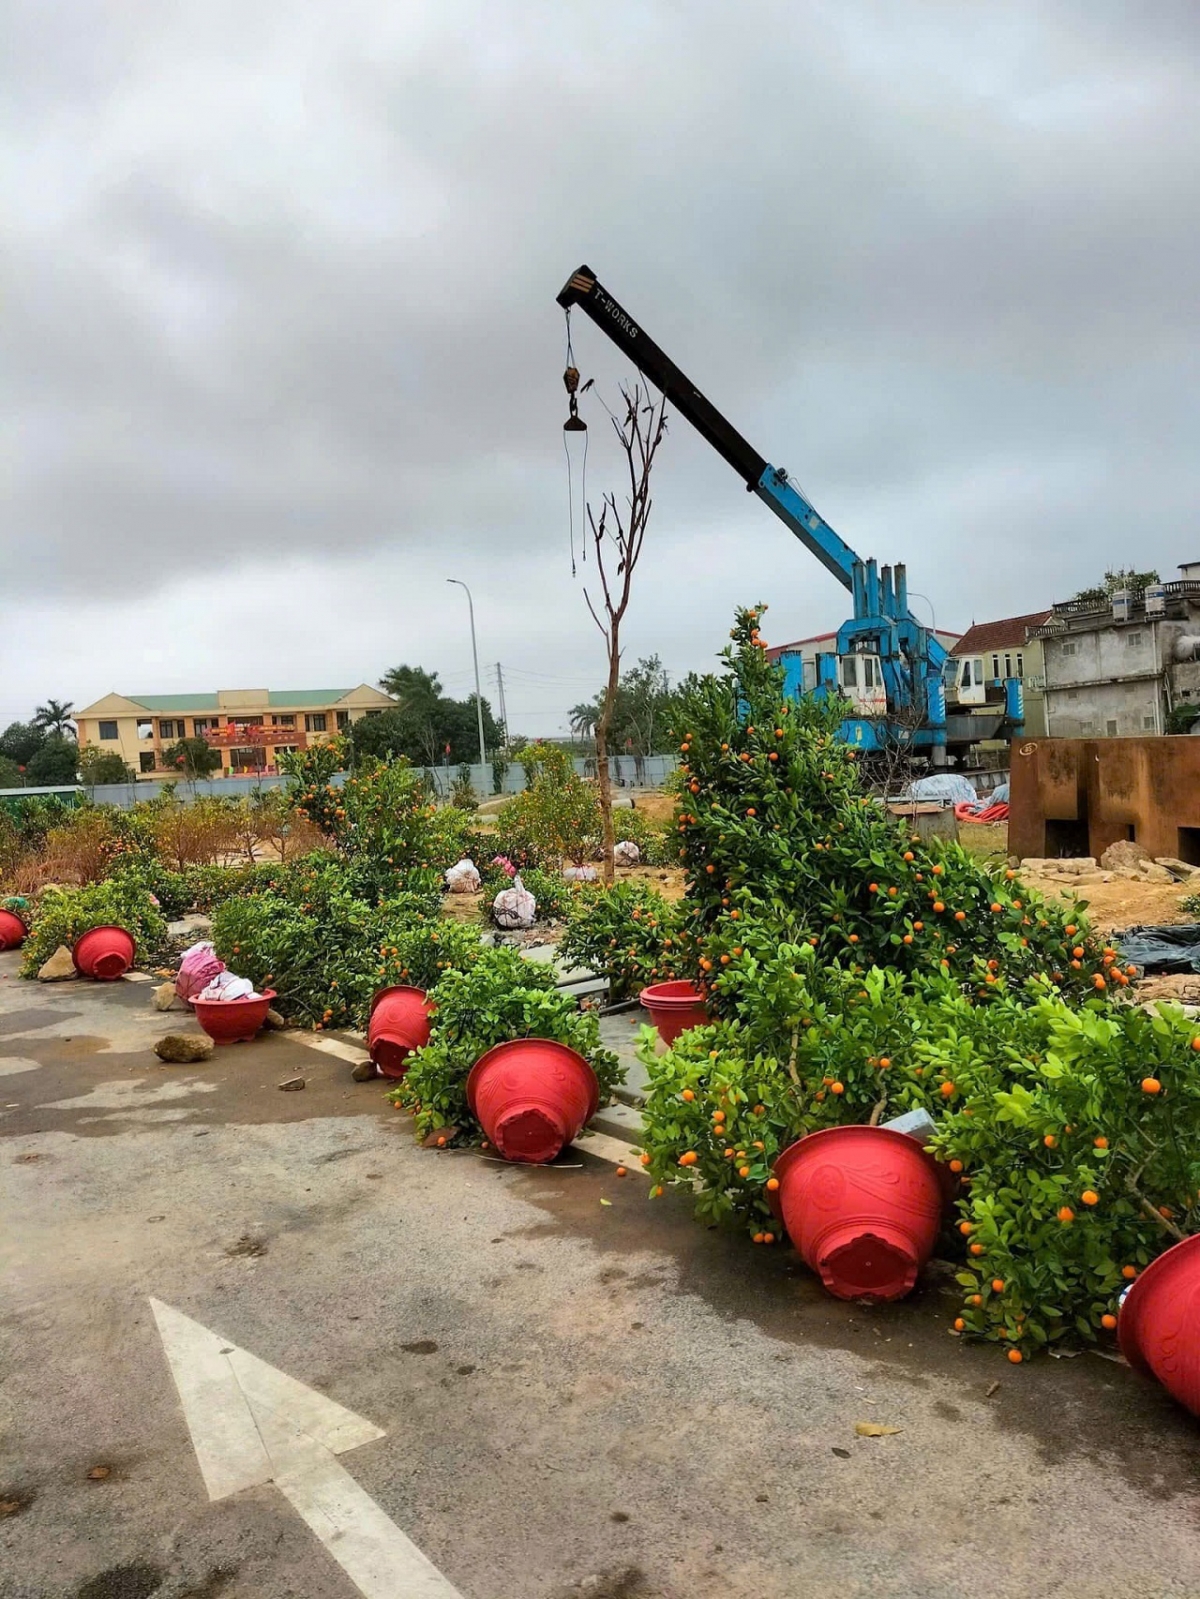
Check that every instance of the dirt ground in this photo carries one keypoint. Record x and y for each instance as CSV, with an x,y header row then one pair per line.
x,y
1119,903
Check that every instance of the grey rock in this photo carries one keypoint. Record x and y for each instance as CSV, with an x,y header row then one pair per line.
x,y
1123,853
60,966
1156,874
183,1049
1179,870
164,996
293,1085
364,1071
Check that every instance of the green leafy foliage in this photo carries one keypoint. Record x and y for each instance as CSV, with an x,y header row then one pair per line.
x,y
326,949
63,915
97,766
192,758
57,761
555,818
501,996
630,933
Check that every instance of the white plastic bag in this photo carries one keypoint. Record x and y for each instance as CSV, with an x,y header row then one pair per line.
x,y
227,985
462,878
626,853
514,907
580,874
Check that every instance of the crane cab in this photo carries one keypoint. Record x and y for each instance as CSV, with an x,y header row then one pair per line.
x,y
860,678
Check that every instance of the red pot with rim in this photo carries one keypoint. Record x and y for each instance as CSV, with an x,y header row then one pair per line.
x,y
1159,1323
863,1206
532,1097
674,1007
104,953
233,1021
13,931
399,1024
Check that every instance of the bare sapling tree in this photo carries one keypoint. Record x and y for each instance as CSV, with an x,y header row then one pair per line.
x,y
617,536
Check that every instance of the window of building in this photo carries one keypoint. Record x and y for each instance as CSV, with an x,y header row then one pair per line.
x,y
166,731
146,759
245,760
285,749
1148,723
315,723
995,666
1072,693
1110,727
1070,646
380,713
849,671
1020,664
108,730
343,720
1008,672
200,725
248,721
283,721
1135,639
1087,729
870,671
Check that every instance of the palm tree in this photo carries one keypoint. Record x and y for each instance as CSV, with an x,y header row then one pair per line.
x,y
414,687
54,719
583,719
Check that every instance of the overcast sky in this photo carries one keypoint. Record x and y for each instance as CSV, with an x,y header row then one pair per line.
x,y
281,352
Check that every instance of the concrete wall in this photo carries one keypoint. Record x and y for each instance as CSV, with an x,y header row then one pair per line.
x,y
1078,796
1106,682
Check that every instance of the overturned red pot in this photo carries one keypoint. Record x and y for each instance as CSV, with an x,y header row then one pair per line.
x,y
399,1024
104,953
13,931
674,1007
532,1097
1159,1324
863,1206
233,1021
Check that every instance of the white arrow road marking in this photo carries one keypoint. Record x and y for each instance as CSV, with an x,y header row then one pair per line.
x,y
251,1424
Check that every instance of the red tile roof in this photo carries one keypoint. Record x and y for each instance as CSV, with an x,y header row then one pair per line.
x,y
1002,635
777,650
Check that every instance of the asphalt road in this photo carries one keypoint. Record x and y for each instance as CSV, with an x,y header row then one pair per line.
x,y
575,1397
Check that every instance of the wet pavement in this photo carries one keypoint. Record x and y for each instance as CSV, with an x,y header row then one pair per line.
x,y
581,1391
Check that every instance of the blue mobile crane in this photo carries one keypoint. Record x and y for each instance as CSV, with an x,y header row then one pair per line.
x,y
883,638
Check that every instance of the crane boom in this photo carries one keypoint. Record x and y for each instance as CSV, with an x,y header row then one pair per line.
x,y
769,482
911,657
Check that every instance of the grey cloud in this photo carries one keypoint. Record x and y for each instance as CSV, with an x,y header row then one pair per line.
x,y
283,277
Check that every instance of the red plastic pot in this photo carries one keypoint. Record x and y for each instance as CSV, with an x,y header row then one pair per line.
x,y
1159,1324
863,1206
399,1024
233,1021
674,1007
13,930
105,953
532,1097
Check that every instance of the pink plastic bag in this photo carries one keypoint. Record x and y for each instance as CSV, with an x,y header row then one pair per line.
x,y
196,970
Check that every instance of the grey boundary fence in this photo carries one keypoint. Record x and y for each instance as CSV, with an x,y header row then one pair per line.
x,y
627,772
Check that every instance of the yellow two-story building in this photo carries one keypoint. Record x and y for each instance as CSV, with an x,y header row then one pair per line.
x,y
250,727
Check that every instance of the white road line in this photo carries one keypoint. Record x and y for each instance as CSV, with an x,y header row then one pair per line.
x,y
251,1424
329,1046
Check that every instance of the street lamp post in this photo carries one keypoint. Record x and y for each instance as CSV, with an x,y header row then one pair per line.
x,y
475,657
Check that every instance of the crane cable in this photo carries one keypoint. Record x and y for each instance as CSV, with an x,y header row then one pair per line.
x,y
571,379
